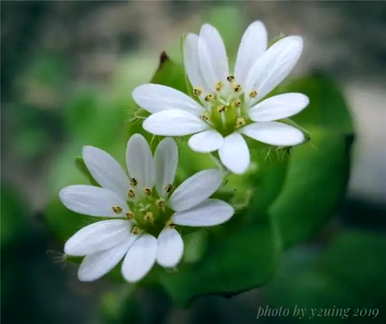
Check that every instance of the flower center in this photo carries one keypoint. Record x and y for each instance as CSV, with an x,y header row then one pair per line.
x,y
226,110
148,211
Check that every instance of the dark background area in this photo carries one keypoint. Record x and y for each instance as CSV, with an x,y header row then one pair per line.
x,y
50,49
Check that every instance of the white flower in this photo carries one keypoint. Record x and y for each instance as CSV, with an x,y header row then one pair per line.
x,y
144,209
227,105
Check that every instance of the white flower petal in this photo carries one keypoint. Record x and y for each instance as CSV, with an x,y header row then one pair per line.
x,y
173,123
234,153
170,248
209,213
140,162
278,107
91,200
206,141
156,97
192,63
273,66
98,236
98,264
274,133
166,160
252,45
195,189
106,170
212,56
140,258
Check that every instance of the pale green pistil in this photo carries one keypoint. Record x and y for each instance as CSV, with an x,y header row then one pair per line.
x,y
226,110
148,211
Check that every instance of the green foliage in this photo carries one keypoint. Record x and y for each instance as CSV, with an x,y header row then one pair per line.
x,y
284,198
89,121
13,216
348,273
288,196
118,307
245,259
170,74
314,185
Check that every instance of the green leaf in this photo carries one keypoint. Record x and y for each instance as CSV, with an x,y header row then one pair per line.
x,y
327,109
170,74
318,170
265,179
246,259
315,183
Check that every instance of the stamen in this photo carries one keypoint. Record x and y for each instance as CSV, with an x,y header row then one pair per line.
x,y
205,116
219,86
136,230
131,193
253,94
237,103
149,217
221,108
169,188
240,122
130,215
147,190
236,87
197,91
230,78
117,209
160,203
209,97
133,182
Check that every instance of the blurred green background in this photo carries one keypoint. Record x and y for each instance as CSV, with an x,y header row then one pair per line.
x,y
67,71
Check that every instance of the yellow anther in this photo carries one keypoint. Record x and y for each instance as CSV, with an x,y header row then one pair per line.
x,y
131,193
133,182
197,91
205,116
219,86
130,215
221,108
230,78
169,188
240,122
117,209
209,97
136,230
237,103
147,190
149,217
237,87
160,203
253,94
